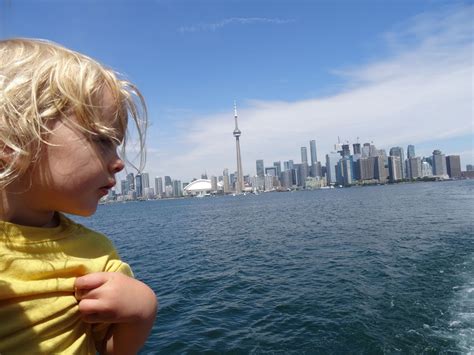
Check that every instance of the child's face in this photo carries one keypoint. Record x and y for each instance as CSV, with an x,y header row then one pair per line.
x,y
75,170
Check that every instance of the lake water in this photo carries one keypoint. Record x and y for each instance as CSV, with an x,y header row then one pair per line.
x,y
381,269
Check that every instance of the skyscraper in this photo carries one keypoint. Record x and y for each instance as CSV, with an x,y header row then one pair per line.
x,y
439,163
277,165
225,180
131,181
394,168
346,150
239,185
453,166
312,148
410,151
260,168
158,186
356,148
398,152
145,181
138,184
304,155
331,162
414,167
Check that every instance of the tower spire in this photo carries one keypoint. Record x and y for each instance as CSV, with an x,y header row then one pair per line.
x,y
239,186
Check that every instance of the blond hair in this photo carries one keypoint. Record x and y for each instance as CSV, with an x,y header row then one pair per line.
x,y
41,81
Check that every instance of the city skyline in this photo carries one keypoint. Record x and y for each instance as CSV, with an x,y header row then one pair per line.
x,y
397,78
345,165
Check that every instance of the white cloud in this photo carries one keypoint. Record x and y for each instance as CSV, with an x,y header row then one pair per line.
x,y
423,92
233,20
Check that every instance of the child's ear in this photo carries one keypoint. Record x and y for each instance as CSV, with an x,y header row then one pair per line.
x,y
6,154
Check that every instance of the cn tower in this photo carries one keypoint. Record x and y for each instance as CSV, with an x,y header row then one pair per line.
x,y
239,186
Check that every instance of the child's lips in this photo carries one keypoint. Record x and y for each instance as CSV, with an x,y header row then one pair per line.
x,y
104,190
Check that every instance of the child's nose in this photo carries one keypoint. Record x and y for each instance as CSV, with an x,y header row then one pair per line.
x,y
117,165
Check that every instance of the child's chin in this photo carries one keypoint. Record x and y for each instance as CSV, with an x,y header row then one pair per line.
x,y
86,212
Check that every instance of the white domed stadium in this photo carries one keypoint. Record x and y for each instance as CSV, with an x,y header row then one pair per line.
x,y
199,187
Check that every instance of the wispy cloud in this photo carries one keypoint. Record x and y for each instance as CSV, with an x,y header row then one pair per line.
x,y
422,92
233,21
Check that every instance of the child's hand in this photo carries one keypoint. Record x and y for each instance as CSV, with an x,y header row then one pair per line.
x,y
111,297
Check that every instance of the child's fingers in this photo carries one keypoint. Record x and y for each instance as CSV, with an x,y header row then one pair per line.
x,y
81,294
92,311
90,281
89,306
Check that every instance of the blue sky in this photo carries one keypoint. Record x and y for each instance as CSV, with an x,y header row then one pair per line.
x,y
388,72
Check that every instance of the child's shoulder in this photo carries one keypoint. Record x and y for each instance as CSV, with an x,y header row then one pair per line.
x,y
83,235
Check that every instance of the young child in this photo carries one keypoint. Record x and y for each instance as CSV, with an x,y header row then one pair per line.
x,y
63,288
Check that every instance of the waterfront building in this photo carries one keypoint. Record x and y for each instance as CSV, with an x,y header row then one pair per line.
x,y
148,193
394,168
312,183
269,183
225,181
365,150
313,166
426,169
158,186
331,162
260,168
277,165
344,171
131,181
246,180
295,174
272,171
439,163
214,184
145,180
356,166
168,181
312,148
124,187
132,195
469,167
138,185
367,167
410,151
356,149
373,152
414,167
304,155
398,152
303,173
453,166
291,164
169,190
286,180
177,188
347,171
346,150
239,185
316,170
199,187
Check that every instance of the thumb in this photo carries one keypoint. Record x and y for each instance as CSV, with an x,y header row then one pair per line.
x,y
90,281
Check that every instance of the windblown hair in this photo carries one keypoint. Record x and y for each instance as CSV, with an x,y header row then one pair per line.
x,y
41,81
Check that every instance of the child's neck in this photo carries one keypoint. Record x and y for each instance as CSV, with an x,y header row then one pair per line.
x,y
12,210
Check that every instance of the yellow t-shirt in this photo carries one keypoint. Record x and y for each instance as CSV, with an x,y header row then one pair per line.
x,y
38,267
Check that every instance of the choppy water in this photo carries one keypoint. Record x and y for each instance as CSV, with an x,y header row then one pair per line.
x,y
383,269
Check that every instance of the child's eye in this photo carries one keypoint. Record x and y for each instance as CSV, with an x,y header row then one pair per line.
x,y
104,141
